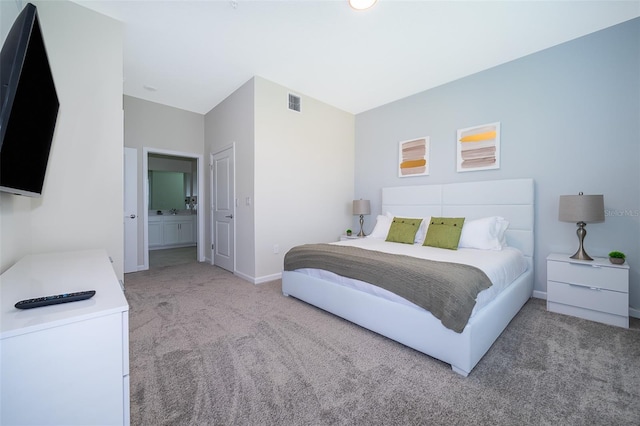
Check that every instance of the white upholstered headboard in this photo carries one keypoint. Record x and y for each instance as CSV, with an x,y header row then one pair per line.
x,y
510,198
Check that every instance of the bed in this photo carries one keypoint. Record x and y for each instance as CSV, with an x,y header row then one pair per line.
x,y
418,328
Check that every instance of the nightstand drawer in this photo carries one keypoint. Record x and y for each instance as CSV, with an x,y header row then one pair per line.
x,y
612,302
590,275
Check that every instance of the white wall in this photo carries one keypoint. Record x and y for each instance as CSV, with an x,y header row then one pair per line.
x,y
149,124
304,173
296,169
81,206
152,125
232,122
570,120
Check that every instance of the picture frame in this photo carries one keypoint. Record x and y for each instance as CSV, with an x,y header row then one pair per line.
x,y
478,148
413,157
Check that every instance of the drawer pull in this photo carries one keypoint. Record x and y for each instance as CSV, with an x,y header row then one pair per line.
x,y
585,286
587,265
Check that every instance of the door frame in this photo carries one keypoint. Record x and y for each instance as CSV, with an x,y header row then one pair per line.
x,y
232,147
145,189
131,179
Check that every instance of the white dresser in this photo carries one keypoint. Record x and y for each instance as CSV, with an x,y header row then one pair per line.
x,y
596,290
68,363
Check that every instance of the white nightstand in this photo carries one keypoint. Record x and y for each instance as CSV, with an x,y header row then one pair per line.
x,y
596,290
345,237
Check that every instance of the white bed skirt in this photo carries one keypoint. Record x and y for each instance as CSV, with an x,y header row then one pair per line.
x,y
416,328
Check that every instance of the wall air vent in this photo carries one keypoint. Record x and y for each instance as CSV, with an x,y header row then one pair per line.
x,y
294,102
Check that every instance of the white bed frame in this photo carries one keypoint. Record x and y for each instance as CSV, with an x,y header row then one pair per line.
x,y
512,199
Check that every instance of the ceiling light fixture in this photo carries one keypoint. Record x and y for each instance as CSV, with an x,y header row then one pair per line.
x,y
361,4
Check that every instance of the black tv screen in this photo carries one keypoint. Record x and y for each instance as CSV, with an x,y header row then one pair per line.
x,y
29,107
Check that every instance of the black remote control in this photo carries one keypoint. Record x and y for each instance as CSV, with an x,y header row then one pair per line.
x,y
54,300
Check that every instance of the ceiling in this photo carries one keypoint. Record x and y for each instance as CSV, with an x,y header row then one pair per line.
x,y
193,54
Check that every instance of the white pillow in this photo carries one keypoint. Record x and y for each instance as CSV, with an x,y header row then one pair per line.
x,y
487,233
383,223
422,230
503,224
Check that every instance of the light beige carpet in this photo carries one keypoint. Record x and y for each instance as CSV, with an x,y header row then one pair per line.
x,y
208,348
172,256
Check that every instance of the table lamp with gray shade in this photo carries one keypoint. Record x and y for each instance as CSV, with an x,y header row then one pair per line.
x,y
361,207
581,209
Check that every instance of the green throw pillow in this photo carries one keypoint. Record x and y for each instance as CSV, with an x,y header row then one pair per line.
x,y
403,230
444,232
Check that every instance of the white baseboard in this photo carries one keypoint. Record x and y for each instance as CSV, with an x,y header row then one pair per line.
x,y
633,312
267,278
259,280
540,294
244,277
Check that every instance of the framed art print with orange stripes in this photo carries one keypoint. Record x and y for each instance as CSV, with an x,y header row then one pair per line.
x,y
479,148
414,157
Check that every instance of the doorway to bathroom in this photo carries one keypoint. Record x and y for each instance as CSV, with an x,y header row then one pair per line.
x,y
173,217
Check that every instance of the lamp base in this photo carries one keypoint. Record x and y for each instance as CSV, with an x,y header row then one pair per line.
x,y
581,254
361,234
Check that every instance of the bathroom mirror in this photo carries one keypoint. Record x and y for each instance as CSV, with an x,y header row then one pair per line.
x,y
167,190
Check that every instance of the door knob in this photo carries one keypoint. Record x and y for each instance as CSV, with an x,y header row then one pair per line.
x,y
230,216
133,216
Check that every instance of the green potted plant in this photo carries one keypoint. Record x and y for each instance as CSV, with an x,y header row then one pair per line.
x,y
348,232
617,257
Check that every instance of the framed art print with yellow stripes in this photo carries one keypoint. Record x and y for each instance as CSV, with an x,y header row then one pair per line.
x,y
479,148
414,157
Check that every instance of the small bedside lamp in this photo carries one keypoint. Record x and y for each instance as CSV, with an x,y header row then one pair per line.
x,y
361,207
581,209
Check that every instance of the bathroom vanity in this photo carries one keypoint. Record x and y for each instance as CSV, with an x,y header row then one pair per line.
x,y
172,230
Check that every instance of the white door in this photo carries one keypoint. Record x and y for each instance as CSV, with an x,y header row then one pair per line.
x,y
130,210
222,208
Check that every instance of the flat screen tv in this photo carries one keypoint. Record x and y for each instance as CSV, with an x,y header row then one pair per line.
x,y
29,107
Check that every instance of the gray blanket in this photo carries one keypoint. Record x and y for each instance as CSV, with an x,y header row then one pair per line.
x,y
447,290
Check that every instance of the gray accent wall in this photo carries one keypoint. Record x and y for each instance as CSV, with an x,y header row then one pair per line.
x,y
570,119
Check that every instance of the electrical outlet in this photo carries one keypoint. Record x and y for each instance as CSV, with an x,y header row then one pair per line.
x,y
276,249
